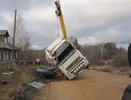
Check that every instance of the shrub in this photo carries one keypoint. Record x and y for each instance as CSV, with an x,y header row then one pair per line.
x,y
120,60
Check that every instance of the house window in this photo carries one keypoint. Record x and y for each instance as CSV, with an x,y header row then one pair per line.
x,y
7,55
4,56
10,55
5,40
0,56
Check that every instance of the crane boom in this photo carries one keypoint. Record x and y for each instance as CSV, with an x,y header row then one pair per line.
x,y
59,14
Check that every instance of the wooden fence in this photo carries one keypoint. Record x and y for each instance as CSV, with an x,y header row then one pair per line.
x,y
29,62
7,65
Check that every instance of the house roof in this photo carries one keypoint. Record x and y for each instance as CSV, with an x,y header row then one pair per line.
x,y
4,46
7,46
4,33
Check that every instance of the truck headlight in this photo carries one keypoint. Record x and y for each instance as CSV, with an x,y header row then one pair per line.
x,y
77,69
81,65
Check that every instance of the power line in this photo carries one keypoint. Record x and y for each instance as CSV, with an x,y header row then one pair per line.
x,y
57,26
36,29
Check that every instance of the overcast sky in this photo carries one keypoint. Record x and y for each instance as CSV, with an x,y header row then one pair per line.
x,y
90,21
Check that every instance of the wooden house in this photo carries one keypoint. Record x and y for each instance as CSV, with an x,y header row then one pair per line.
x,y
6,59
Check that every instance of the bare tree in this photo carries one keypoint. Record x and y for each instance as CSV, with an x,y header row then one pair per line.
x,y
110,50
121,58
22,38
92,53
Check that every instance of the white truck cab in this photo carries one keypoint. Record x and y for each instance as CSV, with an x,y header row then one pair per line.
x,y
66,58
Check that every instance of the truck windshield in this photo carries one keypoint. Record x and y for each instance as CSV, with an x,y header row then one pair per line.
x,y
63,51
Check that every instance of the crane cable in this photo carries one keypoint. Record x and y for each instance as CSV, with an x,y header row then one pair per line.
x,y
57,26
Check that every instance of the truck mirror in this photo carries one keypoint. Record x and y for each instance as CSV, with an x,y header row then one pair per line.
x,y
129,54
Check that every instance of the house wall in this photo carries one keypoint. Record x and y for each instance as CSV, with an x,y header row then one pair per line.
x,y
0,55
2,38
7,65
6,61
4,55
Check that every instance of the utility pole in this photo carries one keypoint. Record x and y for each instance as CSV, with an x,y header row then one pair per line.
x,y
101,51
13,49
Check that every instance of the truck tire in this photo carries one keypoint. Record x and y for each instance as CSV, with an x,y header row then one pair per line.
x,y
127,93
129,54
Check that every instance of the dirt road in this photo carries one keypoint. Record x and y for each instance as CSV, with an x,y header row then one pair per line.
x,y
90,85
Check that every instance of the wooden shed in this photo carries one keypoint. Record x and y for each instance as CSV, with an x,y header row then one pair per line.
x,y
6,59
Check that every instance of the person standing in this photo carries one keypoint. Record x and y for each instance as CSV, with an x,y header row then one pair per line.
x,y
37,61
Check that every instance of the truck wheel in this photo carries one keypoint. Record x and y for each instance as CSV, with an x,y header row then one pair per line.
x,y
127,93
129,54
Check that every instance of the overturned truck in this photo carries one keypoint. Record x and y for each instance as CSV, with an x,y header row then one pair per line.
x,y
66,58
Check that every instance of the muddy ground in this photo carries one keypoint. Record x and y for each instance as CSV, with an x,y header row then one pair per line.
x,y
89,85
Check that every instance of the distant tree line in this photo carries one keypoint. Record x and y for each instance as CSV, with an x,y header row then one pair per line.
x,y
103,53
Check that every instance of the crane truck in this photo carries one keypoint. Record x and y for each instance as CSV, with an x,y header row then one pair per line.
x,y
63,54
127,91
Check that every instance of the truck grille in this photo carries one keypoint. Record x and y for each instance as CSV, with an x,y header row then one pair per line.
x,y
73,63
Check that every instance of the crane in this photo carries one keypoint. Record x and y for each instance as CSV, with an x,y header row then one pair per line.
x,y
60,16
64,55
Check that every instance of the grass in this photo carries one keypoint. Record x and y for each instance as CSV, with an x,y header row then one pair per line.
x,y
115,70
21,76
